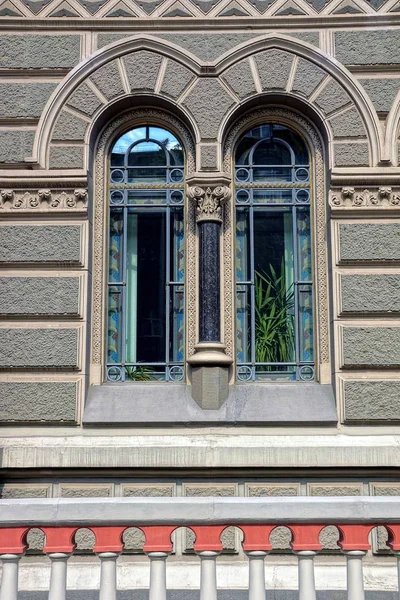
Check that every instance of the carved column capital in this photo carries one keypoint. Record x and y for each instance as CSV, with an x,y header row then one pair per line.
x,y
209,201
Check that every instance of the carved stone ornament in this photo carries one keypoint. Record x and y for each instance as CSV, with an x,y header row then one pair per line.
x,y
209,201
380,198
43,200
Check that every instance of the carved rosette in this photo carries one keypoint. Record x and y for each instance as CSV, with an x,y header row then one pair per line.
x,y
383,197
209,201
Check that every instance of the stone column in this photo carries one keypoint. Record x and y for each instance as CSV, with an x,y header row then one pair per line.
x,y
158,575
9,578
208,574
306,574
58,575
355,580
108,575
256,574
210,365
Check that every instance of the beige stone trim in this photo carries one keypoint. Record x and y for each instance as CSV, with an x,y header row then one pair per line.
x,y
319,218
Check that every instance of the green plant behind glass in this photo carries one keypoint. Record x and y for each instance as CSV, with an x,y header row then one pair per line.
x,y
274,317
139,373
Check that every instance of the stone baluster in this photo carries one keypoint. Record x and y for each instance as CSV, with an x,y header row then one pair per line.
x,y
305,545
108,575
208,574
210,364
58,575
354,543
158,575
256,574
306,575
9,578
394,544
13,545
355,580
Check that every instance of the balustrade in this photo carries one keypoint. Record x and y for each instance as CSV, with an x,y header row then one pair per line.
x,y
255,518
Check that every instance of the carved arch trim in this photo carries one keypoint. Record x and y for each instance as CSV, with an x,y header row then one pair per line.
x,y
122,123
316,148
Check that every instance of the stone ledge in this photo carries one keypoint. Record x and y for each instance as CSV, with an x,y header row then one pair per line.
x,y
198,449
247,404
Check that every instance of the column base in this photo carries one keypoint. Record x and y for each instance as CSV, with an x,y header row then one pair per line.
x,y
210,375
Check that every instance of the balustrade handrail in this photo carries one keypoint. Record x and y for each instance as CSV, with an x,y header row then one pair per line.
x,y
197,511
108,518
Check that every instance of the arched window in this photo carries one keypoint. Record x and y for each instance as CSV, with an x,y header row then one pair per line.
x,y
274,278
146,257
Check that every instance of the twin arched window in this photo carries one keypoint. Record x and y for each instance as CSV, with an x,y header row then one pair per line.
x,y
274,299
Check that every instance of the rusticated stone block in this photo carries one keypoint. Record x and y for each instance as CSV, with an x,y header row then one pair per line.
x,y
370,293
40,244
85,100
351,155
307,77
142,69
208,102
35,348
108,80
176,79
39,51
371,400
348,124
369,242
24,100
66,157
332,97
240,79
39,401
208,157
371,347
15,145
354,47
69,127
273,68
40,295
382,92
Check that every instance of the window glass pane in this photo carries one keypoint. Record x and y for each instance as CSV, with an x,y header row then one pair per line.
x,y
274,287
242,245
304,244
271,153
243,324
114,346
116,249
147,154
146,258
274,297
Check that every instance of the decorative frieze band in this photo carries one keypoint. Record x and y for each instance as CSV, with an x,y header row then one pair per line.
x,y
44,200
209,201
383,197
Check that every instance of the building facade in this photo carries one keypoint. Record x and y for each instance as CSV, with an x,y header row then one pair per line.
x,y
200,253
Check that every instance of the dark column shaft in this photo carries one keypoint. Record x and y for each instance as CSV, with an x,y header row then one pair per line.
x,y
209,311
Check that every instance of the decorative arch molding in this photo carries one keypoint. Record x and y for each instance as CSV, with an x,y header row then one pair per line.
x,y
392,141
118,126
313,139
207,94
